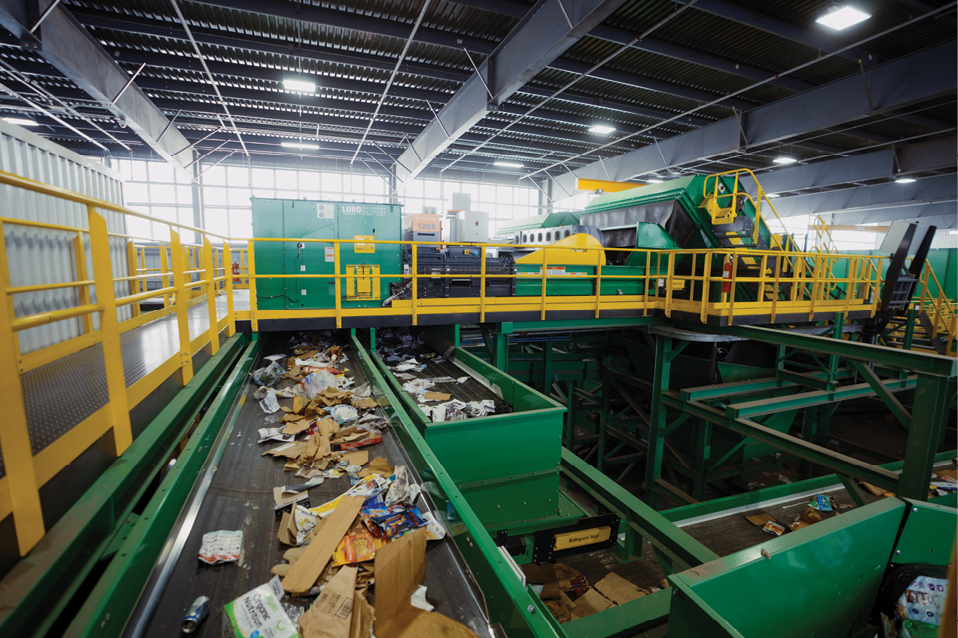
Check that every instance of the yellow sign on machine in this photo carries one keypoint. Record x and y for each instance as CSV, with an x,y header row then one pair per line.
x,y
359,284
568,540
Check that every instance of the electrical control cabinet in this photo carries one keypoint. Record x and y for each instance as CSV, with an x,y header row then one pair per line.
x,y
312,220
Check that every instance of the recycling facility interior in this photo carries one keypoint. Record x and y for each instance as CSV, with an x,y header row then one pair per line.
x,y
568,318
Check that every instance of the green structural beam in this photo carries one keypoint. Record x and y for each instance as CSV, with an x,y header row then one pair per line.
x,y
935,365
884,393
782,441
817,397
664,536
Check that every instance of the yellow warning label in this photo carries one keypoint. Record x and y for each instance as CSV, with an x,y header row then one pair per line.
x,y
365,248
568,540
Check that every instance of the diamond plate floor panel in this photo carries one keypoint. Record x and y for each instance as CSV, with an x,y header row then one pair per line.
x,y
61,394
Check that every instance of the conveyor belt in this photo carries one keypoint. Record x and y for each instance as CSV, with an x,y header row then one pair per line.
x,y
240,497
471,390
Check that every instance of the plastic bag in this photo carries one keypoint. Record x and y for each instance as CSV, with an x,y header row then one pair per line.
x,y
316,382
269,375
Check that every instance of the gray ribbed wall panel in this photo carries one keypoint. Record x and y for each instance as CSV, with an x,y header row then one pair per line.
x,y
39,256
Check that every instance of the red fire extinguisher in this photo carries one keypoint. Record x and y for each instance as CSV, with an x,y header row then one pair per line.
x,y
236,271
727,275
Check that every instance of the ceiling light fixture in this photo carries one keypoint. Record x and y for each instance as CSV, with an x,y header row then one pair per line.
x,y
299,86
508,164
22,121
904,180
953,232
601,129
784,159
308,147
840,18
772,195
653,180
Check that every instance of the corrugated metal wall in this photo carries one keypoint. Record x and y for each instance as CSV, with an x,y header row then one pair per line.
x,y
944,239
38,256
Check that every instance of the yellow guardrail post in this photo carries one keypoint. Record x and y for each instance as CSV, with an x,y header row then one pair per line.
x,y
339,288
731,299
230,310
142,270
669,272
15,445
415,281
181,302
706,284
109,333
165,269
542,312
211,294
251,270
131,266
79,256
482,287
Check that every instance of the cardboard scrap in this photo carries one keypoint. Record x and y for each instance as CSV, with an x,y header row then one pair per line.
x,y
618,589
591,602
299,404
327,428
759,519
363,403
318,553
437,396
317,447
378,466
363,616
296,427
331,396
332,614
289,450
539,574
360,457
399,568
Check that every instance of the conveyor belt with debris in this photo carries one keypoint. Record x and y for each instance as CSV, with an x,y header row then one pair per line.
x,y
240,496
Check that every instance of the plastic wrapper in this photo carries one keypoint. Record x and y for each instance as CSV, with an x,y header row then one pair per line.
x,y
269,404
343,413
259,613
268,375
773,528
357,547
822,503
274,434
316,382
922,604
305,522
399,489
223,546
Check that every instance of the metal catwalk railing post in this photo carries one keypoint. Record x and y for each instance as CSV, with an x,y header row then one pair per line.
x,y
211,294
110,333
230,310
181,302
23,493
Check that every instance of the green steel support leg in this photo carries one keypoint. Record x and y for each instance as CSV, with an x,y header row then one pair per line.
x,y
849,485
570,416
546,366
660,385
603,418
703,447
928,424
372,339
500,349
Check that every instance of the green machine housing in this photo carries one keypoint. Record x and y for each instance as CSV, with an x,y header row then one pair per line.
x,y
311,219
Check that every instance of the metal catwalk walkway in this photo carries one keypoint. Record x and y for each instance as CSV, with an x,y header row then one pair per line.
x,y
61,394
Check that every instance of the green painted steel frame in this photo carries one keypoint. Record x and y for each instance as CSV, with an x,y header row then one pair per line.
x,y
516,608
112,600
63,559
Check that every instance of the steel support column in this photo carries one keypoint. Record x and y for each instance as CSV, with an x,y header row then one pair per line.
x,y
657,416
928,425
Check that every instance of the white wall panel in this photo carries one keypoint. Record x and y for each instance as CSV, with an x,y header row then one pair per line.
x,y
39,256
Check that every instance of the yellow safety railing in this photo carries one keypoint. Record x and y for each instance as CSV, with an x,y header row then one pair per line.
x,y
738,193
939,308
678,283
26,473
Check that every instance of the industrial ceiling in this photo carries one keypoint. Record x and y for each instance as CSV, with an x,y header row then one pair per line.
x,y
409,87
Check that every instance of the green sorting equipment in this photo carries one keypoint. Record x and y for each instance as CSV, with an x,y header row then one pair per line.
x,y
317,220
